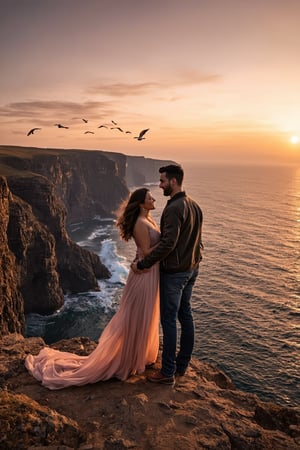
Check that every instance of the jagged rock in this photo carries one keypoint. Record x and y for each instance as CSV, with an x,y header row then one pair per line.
x,y
78,268
34,248
11,300
273,417
197,413
25,423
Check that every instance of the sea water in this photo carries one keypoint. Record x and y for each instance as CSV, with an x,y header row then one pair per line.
x,y
246,300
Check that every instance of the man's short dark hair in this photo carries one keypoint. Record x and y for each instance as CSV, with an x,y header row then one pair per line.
x,y
173,171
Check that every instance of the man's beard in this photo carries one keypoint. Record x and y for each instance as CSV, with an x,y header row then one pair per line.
x,y
167,191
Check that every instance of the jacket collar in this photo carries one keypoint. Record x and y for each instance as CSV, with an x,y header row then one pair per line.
x,y
178,195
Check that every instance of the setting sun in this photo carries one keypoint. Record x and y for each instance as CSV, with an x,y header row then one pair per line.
x,y
294,139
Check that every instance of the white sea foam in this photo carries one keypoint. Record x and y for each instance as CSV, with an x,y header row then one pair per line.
x,y
76,229
81,224
116,264
151,183
99,232
103,219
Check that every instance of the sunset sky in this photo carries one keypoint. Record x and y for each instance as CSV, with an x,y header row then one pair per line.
x,y
213,80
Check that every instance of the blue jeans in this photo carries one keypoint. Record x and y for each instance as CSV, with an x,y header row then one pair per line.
x,y
175,302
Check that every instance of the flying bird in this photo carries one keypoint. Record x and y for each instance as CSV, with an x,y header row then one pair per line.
x,y
32,131
91,132
78,118
140,136
128,132
117,128
115,123
59,125
102,126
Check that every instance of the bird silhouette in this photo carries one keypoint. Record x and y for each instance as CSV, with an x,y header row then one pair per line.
x,y
59,125
127,132
91,132
32,131
115,123
79,118
117,128
140,136
102,126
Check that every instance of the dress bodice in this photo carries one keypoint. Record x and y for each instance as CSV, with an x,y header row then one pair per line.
x,y
154,236
154,239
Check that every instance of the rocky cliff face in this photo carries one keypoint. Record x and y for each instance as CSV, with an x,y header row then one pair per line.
x,y
142,170
86,182
78,268
139,169
40,191
33,247
11,300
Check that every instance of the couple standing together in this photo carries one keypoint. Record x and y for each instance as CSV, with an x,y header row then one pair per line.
x,y
159,286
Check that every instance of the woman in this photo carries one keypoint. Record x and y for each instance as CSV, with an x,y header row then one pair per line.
x,y
130,341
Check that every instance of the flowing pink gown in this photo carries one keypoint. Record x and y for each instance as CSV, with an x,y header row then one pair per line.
x,y
129,342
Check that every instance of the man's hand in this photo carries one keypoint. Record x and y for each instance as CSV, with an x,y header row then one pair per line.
x,y
134,268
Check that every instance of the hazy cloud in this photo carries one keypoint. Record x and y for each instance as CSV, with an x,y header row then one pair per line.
x,y
194,77
136,89
123,89
55,110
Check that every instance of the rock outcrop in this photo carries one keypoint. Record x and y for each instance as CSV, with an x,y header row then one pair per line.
x,y
203,410
57,265
11,300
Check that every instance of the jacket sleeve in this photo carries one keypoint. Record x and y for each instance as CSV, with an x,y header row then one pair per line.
x,y
172,221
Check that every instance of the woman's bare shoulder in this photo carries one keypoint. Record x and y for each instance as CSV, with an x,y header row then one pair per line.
x,y
141,221
140,225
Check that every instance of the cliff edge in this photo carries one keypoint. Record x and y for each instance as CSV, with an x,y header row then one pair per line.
x,y
203,410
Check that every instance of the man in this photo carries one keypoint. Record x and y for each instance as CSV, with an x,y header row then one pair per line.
x,y
179,253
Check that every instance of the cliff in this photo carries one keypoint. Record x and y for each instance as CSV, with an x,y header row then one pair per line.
x,y
203,410
11,300
140,170
87,183
42,191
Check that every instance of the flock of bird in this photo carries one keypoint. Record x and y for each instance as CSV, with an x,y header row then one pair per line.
x,y
115,127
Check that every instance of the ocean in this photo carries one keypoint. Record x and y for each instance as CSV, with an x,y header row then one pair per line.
x,y
246,301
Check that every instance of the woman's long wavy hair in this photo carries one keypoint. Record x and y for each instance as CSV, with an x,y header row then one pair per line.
x,y
130,211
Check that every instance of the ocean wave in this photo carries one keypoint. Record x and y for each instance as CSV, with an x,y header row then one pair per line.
x,y
116,264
